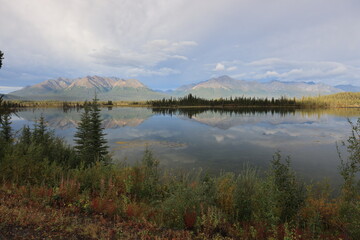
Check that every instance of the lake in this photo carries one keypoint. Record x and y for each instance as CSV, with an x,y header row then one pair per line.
x,y
215,140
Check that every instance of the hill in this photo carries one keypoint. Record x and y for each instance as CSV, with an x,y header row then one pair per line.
x,y
348,88
344,99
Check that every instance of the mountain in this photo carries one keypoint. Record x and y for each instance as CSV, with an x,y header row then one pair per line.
x,y
53,85
92,82
44,89
116,89
10,97
226,86
80,89
348,88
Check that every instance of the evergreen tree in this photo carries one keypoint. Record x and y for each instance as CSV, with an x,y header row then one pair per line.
x,y
5,128
91,144
2,107
97,136
6,131
1,58
82,136
40,131
25,137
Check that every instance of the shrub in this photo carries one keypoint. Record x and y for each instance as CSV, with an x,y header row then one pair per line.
x,y
247,187
350,194
289,193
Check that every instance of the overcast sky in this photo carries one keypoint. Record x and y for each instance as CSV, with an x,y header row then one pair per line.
x,y
168,43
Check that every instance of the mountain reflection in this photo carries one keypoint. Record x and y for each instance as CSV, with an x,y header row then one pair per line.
x,y
215,139
223,118
112,118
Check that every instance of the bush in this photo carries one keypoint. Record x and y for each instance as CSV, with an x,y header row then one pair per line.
x,y
288,192
350,194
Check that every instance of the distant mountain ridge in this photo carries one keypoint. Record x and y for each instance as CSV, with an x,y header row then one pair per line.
x,y
348,88
106,88
117,89
226,86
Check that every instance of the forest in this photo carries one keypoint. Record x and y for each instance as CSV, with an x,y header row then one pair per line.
x,y
191,100
50,189
345,99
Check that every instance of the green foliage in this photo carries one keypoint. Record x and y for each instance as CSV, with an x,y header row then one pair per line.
x,y
247,184
5,126
97,140
289,192
182,200
36,156
349,169
1,58
191,100
149,186
89,138
82,137
351,165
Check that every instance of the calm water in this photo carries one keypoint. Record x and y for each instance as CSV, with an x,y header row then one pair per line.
x,y
216,141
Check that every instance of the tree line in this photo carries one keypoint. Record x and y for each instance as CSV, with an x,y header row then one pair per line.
x,y
40,143
191,100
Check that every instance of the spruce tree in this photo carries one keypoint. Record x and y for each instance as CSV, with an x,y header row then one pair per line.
x,y
25,137
6,131
40,131
1,58
98,141
82,136
91,144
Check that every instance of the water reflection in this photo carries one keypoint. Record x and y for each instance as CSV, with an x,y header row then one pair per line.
x,y
59,118
216,139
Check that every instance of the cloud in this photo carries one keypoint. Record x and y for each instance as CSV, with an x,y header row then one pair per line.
x,y
47,39
5,89
219,138
219,67
233,68
267,69
149,55
179,57
77,38
135,72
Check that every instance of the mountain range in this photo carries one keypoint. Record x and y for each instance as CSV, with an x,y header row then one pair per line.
x,y
116,89
348,88
226,86
106,88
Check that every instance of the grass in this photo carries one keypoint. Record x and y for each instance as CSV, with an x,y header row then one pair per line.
x,y
141,202
338,100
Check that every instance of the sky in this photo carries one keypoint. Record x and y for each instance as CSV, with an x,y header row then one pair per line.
x,y
166,44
